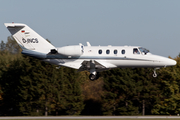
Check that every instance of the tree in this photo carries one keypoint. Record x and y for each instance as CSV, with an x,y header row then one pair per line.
x,y
169,87
146,90
119,92
72,92
12,46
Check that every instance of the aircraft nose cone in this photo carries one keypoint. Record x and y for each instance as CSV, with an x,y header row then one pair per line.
x,y
170,62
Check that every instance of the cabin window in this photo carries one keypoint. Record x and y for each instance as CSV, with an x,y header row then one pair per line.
x,y
136,51
123,51
107,51
115,51
100,51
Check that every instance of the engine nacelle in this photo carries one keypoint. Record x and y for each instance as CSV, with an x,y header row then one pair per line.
x,y
75,50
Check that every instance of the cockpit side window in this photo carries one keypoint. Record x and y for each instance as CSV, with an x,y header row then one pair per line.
x,y
143,50
136,51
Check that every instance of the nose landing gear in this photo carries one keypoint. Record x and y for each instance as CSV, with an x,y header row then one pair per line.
x,y
155,74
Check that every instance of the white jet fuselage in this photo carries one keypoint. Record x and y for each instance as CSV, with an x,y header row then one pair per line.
x,y
112,57
91,58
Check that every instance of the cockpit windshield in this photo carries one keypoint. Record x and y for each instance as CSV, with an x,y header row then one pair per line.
x,y
143,50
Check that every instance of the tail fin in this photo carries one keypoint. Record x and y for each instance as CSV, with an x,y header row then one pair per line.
x,y
28,38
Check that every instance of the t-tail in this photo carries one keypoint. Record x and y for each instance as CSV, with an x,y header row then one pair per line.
x,y
30,41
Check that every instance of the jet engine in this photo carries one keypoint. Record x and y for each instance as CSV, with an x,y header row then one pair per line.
x,y
75,50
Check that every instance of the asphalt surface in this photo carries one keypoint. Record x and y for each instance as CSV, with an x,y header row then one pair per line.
x,y
89,117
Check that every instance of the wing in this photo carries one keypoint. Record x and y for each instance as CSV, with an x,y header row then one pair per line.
x,y
98,65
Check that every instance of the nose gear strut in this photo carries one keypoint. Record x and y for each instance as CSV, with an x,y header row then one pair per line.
x,y
155,74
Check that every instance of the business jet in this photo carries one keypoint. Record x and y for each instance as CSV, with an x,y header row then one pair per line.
x,y
91,58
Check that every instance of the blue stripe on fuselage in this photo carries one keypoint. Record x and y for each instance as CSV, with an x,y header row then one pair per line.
x,y
59,56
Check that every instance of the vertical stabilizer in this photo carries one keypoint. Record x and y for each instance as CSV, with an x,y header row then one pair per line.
x,y
28,39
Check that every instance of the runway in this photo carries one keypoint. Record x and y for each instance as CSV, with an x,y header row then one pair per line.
x,y
91,117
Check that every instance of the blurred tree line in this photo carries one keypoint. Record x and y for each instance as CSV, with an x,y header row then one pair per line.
x,y
29,86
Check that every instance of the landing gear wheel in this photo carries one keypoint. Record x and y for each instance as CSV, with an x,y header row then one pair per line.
x,y
92,77
155,74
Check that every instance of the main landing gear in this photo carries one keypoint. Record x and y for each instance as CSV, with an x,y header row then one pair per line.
x,y
93,77
94,74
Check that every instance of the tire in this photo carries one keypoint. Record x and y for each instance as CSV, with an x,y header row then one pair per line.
x,y
92,77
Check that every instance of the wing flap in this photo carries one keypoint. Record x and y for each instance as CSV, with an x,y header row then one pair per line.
x,y
71,65
99,65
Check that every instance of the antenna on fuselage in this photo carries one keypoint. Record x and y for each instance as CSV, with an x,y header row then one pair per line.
x,y
88,44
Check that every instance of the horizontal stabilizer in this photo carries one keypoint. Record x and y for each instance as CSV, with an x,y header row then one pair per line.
x,y
14,25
